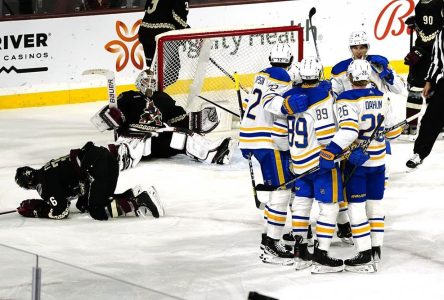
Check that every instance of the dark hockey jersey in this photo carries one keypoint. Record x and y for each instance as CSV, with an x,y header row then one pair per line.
x,y
59,182
154,111
165,14
429,21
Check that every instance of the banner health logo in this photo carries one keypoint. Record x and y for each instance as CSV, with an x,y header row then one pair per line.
x,y
391,19
120,46
23,49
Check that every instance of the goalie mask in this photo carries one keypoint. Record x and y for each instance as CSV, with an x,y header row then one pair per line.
x,y
146,83
310,68
281,55
359,70
25,177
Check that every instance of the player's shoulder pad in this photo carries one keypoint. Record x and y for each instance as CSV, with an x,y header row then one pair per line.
x,y
356,95
376,55
341,67
293,91
278,74
318,94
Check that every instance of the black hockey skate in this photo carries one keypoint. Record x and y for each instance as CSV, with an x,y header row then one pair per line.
x,y
288,238
414,161
223,154
361,263
276,253
345,233
149,204
323,263
302,257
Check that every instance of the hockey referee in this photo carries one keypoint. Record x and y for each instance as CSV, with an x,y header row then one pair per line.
x,y
433,120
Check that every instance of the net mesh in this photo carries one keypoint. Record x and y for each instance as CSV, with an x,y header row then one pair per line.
x,y
194,64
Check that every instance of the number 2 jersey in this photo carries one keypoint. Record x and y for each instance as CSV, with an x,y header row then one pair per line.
x,y
260,128
358,113
312,130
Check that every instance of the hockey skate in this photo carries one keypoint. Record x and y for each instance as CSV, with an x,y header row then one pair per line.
x,y
276,253
302,257
283,242
224,152
288,238
149,204
323,263
361,263
345,234
414,161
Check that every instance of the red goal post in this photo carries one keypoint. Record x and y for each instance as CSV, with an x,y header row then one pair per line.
x,y
201,62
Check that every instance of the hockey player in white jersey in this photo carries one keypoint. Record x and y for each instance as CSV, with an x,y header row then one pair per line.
x,y
359,110
382,76
309,132
263,136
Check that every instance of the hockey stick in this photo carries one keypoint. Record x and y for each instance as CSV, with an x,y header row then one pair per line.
x,y
311,13
227,74
221,107
8,212
110,84
343,155
258,204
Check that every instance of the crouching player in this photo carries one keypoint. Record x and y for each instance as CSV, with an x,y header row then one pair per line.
x,y
89,174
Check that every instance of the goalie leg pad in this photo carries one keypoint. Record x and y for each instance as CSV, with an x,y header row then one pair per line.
x,y
178,140
130,152
205,150
204,121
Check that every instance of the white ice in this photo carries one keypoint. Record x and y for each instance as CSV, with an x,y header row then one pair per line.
x,y
207,245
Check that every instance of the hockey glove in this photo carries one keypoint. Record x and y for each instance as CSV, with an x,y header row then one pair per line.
x,y
410,22
327,156
358,157
34,208
294,104
378,60
412,58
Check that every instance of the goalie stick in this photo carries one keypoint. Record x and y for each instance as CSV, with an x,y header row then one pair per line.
x,y
110,84
343,155
258,203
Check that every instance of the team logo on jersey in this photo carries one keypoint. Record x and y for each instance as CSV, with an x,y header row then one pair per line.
x,y
151,114
128,47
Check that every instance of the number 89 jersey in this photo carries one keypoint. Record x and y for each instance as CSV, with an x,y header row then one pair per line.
x,y
261,129
309,132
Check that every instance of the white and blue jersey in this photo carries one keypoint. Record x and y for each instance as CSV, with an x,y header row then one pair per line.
x,y
341,82
309,133
359,111
263,134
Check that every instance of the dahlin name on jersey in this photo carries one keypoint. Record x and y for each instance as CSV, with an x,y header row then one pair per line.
x,y
373,104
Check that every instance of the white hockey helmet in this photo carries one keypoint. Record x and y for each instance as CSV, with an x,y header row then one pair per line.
x,y
359,70
295,73
358,38
146,82
310,68
281,54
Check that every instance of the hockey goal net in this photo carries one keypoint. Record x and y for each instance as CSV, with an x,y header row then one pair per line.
x,y
197,64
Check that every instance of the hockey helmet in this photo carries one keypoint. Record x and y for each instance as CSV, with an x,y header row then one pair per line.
x,y
310,68
146,83
281,54
25,177
358,38
359,70
295,74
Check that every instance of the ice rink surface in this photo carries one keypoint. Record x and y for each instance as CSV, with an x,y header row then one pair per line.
x,y
207,245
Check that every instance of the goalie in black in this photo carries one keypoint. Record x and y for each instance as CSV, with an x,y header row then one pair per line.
x,y
150,124
89,174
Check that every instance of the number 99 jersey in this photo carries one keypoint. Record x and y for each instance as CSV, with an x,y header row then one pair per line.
x,y
310,131
260,128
